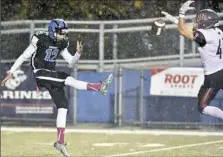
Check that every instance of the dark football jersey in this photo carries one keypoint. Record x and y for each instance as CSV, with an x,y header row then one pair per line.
x,y
47,52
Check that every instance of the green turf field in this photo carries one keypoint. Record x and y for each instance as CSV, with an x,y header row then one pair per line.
x,y
88,144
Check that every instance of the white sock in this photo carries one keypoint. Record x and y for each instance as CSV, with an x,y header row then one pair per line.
x,y
213,111
81,85
61,117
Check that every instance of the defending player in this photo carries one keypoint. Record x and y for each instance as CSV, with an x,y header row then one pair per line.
x,y
209,38
43,50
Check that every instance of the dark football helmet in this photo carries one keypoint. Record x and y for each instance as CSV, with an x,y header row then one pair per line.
x,y
206,19
58,29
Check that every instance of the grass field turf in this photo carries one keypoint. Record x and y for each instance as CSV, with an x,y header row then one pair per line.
x,y
85,144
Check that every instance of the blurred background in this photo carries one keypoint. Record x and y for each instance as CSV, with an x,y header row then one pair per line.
x,y
117,38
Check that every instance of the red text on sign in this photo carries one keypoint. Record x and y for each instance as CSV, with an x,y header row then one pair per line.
x,y
185,79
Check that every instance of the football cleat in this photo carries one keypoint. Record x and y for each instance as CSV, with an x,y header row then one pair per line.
x,y
62,148
105,84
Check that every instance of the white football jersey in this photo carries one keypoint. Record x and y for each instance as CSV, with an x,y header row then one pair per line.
x,y
212,53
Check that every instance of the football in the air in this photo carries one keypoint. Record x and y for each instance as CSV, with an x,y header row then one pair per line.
x,y
158,27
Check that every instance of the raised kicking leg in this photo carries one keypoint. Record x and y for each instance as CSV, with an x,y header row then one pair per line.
x,y
81,85
61,78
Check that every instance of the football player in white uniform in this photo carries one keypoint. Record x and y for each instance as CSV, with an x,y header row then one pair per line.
x,y
209,38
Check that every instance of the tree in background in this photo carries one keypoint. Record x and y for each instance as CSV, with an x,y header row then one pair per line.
x,y
93,10
67,9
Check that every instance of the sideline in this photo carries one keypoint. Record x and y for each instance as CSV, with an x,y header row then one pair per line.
x,y
114,131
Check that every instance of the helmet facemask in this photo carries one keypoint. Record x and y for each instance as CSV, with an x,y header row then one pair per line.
x,y
61,34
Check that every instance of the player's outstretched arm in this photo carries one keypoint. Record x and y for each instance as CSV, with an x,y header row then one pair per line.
x,y
72,60
185,29
19,61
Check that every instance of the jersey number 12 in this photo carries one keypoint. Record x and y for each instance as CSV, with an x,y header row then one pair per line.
x,y
219,51
51,55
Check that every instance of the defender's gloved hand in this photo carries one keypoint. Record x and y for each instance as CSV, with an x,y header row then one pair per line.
x,y
185,7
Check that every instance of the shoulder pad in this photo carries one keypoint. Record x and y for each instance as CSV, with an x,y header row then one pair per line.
x,y
41,33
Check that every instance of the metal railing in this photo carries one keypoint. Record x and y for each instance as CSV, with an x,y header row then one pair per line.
x,y
10,27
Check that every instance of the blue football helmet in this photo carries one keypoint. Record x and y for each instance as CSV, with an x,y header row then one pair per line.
x,y
58,29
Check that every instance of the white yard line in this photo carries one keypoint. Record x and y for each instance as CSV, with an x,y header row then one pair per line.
x,y
108,144
114,131
164,149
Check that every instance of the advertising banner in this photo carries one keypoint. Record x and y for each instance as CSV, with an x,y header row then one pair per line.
x,y
184,82
21,99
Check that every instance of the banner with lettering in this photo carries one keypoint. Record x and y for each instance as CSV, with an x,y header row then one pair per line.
x,y
20,97
176,81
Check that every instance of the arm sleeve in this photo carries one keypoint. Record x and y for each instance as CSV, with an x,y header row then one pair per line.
x,y
199,39
69,58
26,55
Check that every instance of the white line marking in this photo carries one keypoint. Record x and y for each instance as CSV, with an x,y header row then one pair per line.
x,y
102,144
152,145
168,148
108,144
114,131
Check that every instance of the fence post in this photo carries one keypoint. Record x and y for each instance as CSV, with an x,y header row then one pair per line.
x,y
114,52
74,71
181,50
115,43
32,27
101,48
141,93
120,115
116,95
193,48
